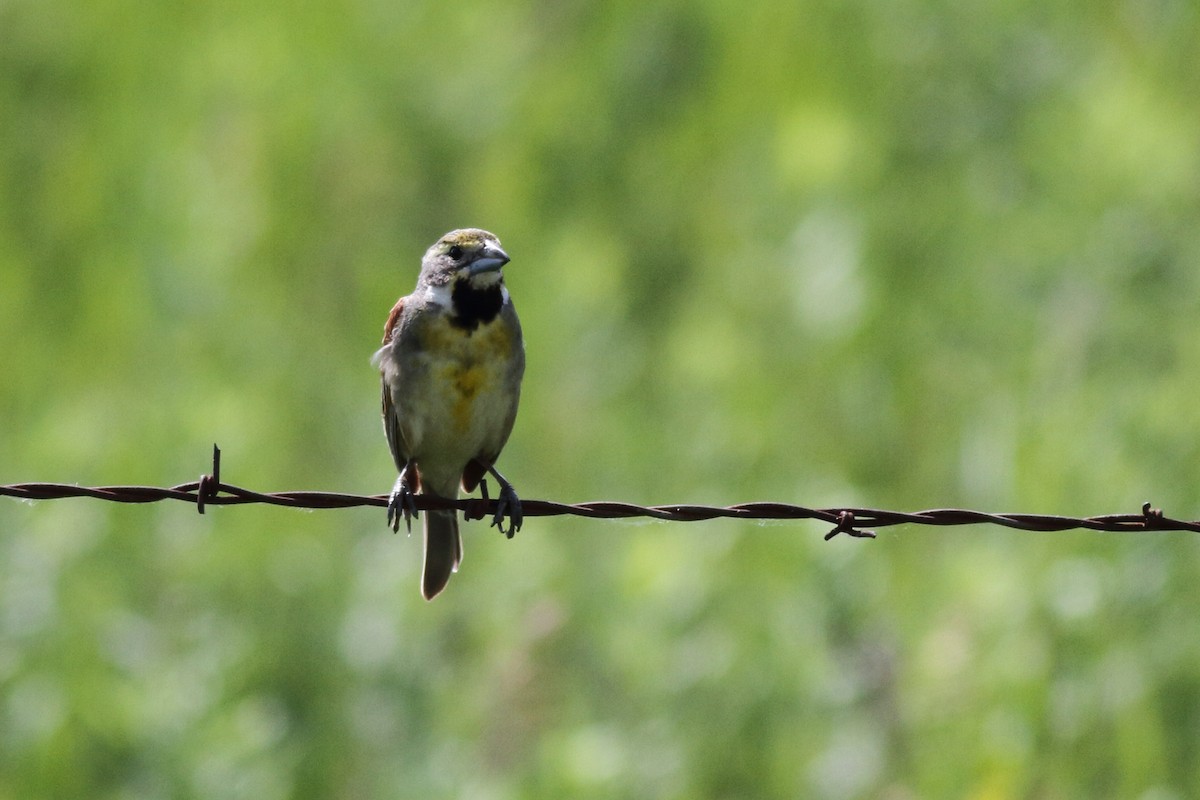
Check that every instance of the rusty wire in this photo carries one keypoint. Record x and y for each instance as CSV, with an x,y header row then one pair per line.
x,y
209,490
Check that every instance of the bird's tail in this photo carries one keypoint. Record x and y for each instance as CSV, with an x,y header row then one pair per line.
x,y
443,551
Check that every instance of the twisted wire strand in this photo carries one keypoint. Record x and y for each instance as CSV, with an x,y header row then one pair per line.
x,y
857,522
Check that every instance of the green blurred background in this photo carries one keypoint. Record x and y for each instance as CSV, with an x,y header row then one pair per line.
x,y
900,254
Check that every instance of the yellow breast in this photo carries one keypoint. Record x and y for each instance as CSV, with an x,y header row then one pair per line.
x,y
469,365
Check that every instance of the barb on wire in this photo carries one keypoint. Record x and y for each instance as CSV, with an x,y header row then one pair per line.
x,y
856,522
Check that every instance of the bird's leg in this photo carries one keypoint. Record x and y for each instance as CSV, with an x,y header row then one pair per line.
x,y
507,504
484,498
402,502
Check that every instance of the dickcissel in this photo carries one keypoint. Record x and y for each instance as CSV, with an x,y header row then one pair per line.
x,y
451,362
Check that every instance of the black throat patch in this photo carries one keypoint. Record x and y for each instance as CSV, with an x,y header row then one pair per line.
x,y
473,307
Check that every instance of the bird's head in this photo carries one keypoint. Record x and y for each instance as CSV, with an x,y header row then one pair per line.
x,y
469,254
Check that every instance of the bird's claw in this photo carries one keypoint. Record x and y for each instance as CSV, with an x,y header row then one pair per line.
x,y
402,503
508,505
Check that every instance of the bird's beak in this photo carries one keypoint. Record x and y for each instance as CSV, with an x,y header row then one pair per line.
x,y
490,259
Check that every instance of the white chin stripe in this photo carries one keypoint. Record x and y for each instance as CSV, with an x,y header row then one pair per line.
x,y
485,280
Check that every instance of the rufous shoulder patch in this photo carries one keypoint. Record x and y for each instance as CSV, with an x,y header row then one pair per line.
x,y
392,319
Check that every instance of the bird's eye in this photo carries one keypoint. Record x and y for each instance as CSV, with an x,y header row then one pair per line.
x,y
455,252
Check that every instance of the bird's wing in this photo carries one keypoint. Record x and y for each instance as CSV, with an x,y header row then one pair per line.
x,y
391,426
391,415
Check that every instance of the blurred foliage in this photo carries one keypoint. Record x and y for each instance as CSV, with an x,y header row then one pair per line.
x,y
899,253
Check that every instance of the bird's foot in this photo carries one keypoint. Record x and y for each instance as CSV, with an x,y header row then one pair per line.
x,y
507,505
402,503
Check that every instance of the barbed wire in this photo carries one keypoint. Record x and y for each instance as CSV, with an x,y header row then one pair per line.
x,y
857,522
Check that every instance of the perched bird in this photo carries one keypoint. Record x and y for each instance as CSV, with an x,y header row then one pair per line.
x,y
451,362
